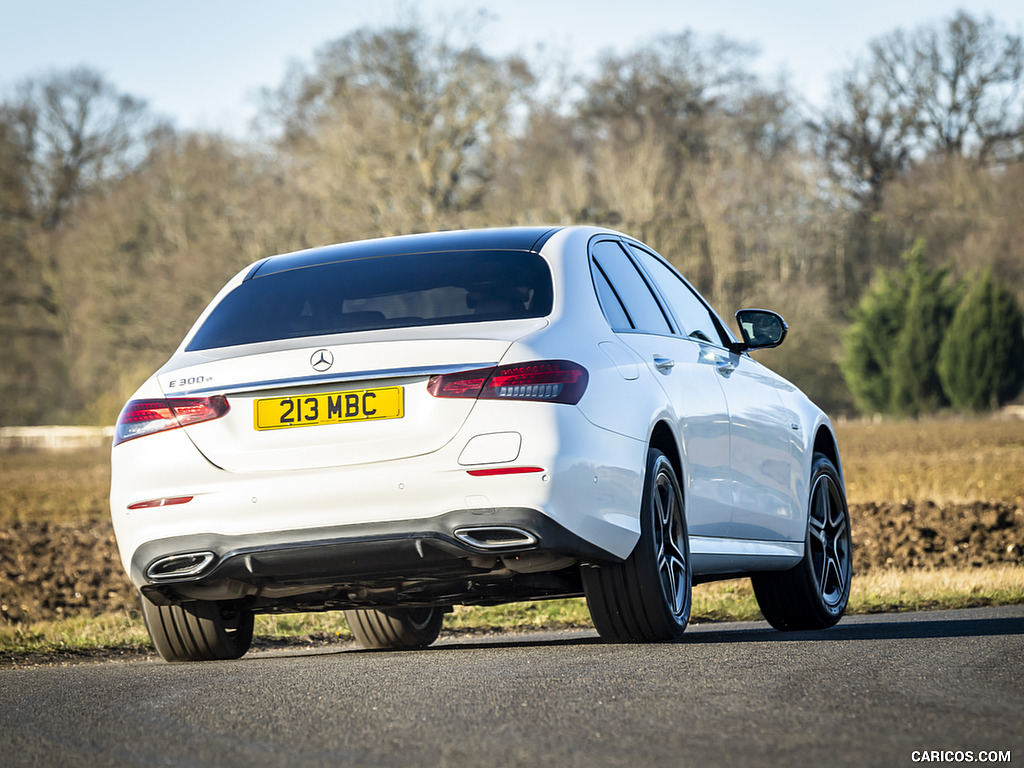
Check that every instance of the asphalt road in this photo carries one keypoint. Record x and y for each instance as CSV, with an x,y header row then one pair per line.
x,y
875,690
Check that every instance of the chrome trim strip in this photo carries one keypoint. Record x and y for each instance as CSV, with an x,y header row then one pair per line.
x,y
711,545
329,378
710,556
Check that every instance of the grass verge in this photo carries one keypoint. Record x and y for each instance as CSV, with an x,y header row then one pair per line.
x,y
115,635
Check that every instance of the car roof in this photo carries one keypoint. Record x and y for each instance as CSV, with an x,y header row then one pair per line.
x,y
506,239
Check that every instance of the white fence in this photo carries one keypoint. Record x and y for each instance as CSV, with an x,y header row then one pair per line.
x,y
53,438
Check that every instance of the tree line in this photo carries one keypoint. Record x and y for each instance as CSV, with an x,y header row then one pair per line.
x,y
116,229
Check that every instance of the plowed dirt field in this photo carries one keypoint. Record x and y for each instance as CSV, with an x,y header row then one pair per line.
x,y
53,570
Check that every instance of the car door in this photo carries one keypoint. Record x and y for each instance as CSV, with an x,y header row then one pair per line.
x,y
688,377
763,467
766,473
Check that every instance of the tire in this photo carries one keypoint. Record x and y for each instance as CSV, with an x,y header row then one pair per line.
x,y
813,594
198,631
393,629
647,597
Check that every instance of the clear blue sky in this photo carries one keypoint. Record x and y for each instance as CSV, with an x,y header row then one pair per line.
x,y
202,62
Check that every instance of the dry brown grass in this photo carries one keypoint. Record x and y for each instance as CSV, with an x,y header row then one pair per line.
x,y
64,487
940,460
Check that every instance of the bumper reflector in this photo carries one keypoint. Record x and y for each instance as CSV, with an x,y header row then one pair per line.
x,y
161,502
503,471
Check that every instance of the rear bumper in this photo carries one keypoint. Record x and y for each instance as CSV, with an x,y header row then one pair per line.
x,y
423,560
589,487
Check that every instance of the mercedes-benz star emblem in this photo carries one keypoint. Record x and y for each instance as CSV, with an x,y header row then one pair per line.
x,y
321,360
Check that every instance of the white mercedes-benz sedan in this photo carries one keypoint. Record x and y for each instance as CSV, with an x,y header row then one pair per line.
x,y
391,427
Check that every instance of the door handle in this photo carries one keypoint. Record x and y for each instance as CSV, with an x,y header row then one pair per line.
x,y
664,364
724,365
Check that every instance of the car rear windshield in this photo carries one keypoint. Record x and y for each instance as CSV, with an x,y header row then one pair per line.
x,y
366,294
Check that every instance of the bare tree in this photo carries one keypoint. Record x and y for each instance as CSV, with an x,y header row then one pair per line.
x,y
433,111
28,328
953,90
63,137
76,132
868,136
967,78
673,86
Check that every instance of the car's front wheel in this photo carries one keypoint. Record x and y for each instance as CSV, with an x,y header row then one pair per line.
x,y
814,593
395,628
647,597
198,631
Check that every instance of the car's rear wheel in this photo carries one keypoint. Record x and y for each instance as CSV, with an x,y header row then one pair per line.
x,y
647,597
814,593
395,628
200,630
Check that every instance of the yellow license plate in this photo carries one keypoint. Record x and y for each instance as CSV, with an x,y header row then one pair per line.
x,y
328,408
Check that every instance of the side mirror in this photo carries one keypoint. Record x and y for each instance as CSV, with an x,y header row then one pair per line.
x,y
761,329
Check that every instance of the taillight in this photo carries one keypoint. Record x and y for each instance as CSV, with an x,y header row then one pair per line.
x,y
147,417
549,381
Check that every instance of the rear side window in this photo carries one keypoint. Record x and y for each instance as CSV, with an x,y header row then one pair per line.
x,y
610,303
631,289
398,291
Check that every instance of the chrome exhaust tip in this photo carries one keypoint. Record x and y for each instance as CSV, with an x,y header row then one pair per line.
x,y
179,566
496,537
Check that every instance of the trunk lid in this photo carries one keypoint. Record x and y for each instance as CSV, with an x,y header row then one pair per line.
x,y
334,401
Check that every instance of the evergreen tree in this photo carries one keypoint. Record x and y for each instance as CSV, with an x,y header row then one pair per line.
x,y
892,345
931,302
869,341
981,361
